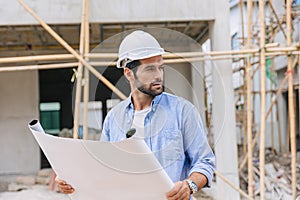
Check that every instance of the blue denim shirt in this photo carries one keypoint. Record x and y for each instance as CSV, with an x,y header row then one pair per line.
x,y
173,131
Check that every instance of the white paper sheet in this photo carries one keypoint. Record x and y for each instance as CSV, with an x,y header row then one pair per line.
x,y
125,170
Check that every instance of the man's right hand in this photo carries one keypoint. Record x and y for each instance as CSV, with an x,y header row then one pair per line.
x,y
64,187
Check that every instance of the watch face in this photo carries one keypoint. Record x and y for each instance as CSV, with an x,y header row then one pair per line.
x,y
193,186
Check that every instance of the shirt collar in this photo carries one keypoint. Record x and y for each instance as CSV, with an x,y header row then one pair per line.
x,y
155,101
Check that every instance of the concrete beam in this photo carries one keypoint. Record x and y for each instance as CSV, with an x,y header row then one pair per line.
x,y
102,11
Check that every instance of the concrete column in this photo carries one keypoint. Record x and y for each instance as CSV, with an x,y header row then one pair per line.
x,y
19,103
282,102
223,113
198,90
283,117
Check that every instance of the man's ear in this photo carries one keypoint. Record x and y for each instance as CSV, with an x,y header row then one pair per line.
x,y
128,73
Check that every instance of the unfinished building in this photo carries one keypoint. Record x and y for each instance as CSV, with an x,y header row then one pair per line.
x,y
36,69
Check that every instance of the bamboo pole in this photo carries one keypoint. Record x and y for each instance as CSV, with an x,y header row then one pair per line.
x,y
179,60
101,55
269,48
272,129
37,58
79,77
258,133
291,99
86,101
232,185
241,7
38,67
72,51
281,87
272,45
99,64
86,71
249,103
263,99
299,89
272,111
278,126
206,55
244,93
271,51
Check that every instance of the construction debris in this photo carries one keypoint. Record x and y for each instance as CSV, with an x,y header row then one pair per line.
x,y
14,187
34,192
25,182
278,179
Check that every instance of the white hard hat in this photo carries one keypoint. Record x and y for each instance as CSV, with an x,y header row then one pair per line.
x,y
138,45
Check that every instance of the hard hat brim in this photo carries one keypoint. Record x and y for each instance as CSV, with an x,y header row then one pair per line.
x,y
137,54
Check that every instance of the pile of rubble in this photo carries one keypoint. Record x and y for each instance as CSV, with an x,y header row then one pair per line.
x,y
35,187
278,178
43,177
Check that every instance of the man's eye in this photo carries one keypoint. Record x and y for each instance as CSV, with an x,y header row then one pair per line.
x,y
150,69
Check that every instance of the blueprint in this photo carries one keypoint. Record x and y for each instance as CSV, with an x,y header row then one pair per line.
x,y
125,170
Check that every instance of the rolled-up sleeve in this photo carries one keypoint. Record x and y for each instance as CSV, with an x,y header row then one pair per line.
x,y
196,147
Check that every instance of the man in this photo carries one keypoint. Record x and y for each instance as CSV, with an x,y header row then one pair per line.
x,y
170,125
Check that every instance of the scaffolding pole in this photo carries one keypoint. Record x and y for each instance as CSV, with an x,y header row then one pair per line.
x,y
262,98
86,71
257,134
39,67
249,104
79,76
263,51
232,185
198,56
72,51
291,99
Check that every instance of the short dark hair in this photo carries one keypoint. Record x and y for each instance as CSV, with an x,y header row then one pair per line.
x,y
133,65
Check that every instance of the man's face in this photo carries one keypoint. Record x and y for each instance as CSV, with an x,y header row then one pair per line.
x,y
149,76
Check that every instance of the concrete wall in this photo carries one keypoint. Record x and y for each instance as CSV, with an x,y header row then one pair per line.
x,y
19,152
177,80
65,11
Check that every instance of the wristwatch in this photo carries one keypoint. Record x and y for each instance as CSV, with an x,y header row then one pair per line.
x,y
193,186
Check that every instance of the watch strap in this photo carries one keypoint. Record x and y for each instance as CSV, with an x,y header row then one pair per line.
x,y
192,185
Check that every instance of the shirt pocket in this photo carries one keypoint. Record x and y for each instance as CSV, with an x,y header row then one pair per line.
x,y
172,148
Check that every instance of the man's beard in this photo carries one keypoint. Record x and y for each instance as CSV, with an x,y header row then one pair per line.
x,y
147,90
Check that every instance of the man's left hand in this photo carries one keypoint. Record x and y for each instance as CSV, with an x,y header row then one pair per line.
x,y
180,191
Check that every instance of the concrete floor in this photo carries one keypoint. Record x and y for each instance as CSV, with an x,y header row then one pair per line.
x,y
35,192
41,192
